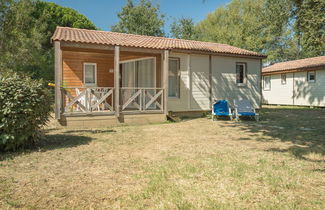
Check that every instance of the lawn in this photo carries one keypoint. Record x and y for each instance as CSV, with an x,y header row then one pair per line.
x,y
278,162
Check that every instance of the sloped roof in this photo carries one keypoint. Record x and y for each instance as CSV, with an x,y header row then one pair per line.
x,y
132,40
302,64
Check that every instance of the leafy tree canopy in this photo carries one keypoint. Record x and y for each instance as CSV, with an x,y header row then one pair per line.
x,y
144,18
282,29
55,15
21,35
26,27
183,28
311,27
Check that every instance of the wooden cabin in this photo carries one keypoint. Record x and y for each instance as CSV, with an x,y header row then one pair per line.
x,y
106,77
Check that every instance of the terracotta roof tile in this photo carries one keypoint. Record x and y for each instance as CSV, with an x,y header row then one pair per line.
x,y
132,40
302,64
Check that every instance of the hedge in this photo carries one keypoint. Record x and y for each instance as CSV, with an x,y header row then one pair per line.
x,y
25,106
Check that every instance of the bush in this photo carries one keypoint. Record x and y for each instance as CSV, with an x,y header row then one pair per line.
x,y
25,105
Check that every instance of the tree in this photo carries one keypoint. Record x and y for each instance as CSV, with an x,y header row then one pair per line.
x,y
21,36
310,26
4,6
25,30
237,24
183,28
282,29
280,43
55,15
144,18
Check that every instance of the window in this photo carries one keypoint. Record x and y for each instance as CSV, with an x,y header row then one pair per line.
x,y
311,76
90,74
241,73
283,79
267,83
173,78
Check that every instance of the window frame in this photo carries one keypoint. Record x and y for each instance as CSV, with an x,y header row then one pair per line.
x,y
284,81
177,77
84,75
308,74
245,74
264,87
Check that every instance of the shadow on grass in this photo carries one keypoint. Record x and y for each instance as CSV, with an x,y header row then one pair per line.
x,y
304,128
49,142
90,131
57,141
300,152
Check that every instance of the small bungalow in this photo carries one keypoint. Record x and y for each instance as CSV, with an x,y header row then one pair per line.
x,y
106,77
297,82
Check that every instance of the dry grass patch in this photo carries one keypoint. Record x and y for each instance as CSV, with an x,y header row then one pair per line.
x,y
277,163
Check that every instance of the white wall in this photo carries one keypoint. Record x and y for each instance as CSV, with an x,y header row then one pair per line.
x,y
194,81
297,91
224,80
309,93
199,83
279,93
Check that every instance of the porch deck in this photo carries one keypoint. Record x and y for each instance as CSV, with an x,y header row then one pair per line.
x,y
123,81
102,121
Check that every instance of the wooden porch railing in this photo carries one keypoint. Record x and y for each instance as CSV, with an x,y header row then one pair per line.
x,y
81,100
142,99
88,100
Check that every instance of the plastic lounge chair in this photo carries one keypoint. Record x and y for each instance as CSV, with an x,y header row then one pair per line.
x,y
245,108
221,108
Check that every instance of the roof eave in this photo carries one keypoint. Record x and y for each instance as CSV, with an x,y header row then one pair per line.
x,y
171,49
176,50
313,68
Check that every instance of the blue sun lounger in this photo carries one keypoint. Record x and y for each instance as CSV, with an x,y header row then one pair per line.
x,y
221,108
244,108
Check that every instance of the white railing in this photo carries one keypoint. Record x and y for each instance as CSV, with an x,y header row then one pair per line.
x,y
141,99
88,100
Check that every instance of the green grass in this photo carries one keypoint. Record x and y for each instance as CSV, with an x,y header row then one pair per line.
x,y
278,163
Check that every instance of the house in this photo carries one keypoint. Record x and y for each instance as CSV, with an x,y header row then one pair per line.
x,y
297,82
105,76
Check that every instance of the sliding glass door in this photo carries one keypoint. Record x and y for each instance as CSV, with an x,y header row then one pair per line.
x,y
137,74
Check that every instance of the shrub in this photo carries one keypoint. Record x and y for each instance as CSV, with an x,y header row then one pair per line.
x,y
25,105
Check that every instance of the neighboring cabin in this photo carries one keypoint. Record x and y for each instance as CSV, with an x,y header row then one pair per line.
x,y
107,73
297,82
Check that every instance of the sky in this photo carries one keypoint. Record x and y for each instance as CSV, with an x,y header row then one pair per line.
x,y
103,13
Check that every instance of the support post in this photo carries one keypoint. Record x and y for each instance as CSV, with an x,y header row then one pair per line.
x,y
261,84
117,79
189,81
58,78
210,81
165,79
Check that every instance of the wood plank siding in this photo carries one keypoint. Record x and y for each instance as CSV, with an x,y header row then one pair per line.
x,y
74,58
